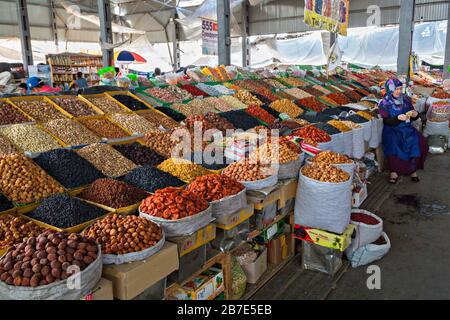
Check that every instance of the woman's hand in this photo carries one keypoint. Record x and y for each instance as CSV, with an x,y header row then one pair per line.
x,y
402,117
414,113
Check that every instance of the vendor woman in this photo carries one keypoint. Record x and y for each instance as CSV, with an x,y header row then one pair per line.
x,y
404,147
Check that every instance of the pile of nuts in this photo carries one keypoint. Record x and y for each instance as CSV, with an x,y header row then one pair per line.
x,y
352,125
29,138
133,122
261,114
246,170
247,98
173,204
39,109
112,193
339,125
273,153
330,157
6,147
120,235
297,93
10,115
140,154
312,103
71,132
288,107
189,109
325,172
233,102
159,119
63,211
164,95
45,259
103,128
274,83
16,229
160,141
183,169
23,182
106,105
313,133
75,106
214,187
295,82
179,92
109,161
209,121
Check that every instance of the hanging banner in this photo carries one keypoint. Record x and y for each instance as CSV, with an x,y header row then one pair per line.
x,y
209,37
330,15
334,58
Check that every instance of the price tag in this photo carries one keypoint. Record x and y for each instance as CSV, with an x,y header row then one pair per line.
x,y
284,116
272,231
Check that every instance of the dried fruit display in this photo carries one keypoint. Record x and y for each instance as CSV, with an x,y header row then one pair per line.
x,y
164,95
214,187
6,147
340,125
325,173
364,218
75,106
124,234
209,121
247,98
311,103
159,119
240,119
356,118
272,153
193,90
321,89
105,104
140,154
330,157
274,83
46,259
313,133
28,137
287,107
134,123
329,101
10,115
183,169
328,128
151,179
39,109
351,124
232,102
245,170
294,82
160,141
173,204
339,98
23,182
14,229
297,93
365,115
103,128
130,102
172,113
71,132
260,114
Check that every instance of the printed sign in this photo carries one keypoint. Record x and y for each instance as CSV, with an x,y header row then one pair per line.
x,y
209,37
330,15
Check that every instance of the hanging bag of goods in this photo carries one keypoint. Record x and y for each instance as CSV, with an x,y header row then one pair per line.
x,y
126,239
323,198
48,275
225,195
178,211
368,229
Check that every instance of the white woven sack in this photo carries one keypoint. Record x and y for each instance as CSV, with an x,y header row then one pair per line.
x,y
367,127
347,138
181,227
337,141
374,141
60,290
261,184
436,129
325,145
370,253
289,170
358,143
365,233
230,204
323,205
380,126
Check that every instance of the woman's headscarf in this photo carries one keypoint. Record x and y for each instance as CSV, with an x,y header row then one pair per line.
x,y
391,85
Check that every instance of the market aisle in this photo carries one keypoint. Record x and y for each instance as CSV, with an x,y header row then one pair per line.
x,y
417,221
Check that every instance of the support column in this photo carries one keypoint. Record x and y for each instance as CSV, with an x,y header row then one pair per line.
x,y
104,13
447,47
405,36
223,21
176,44
25,36
51,5
245,32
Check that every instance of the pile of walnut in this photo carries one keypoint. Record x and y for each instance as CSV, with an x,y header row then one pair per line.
x,y
330,157
325,173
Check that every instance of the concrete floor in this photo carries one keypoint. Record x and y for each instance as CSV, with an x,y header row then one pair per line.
x,y
417,220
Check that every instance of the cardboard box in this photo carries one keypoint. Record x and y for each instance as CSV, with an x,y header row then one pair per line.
x,y
256,269
102,291
207,286
199,238
228,222
189,264
288,191
155,292
131,279
359,197
324,238
274,251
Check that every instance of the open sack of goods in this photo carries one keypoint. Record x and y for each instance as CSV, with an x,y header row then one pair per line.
x,y
315,137
323,198
126,238
254,176
225,194
370,243
44,267
338,160
178,211
279,155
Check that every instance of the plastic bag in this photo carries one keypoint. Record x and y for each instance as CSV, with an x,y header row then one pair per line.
x,y
365,233
337,141
358,143
347,139
184,226
60,290
370,253
134,256
380,125
437,144
289,170
322,259
374,141
261,184
239,284
323,205
367,128
229,205
324,146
